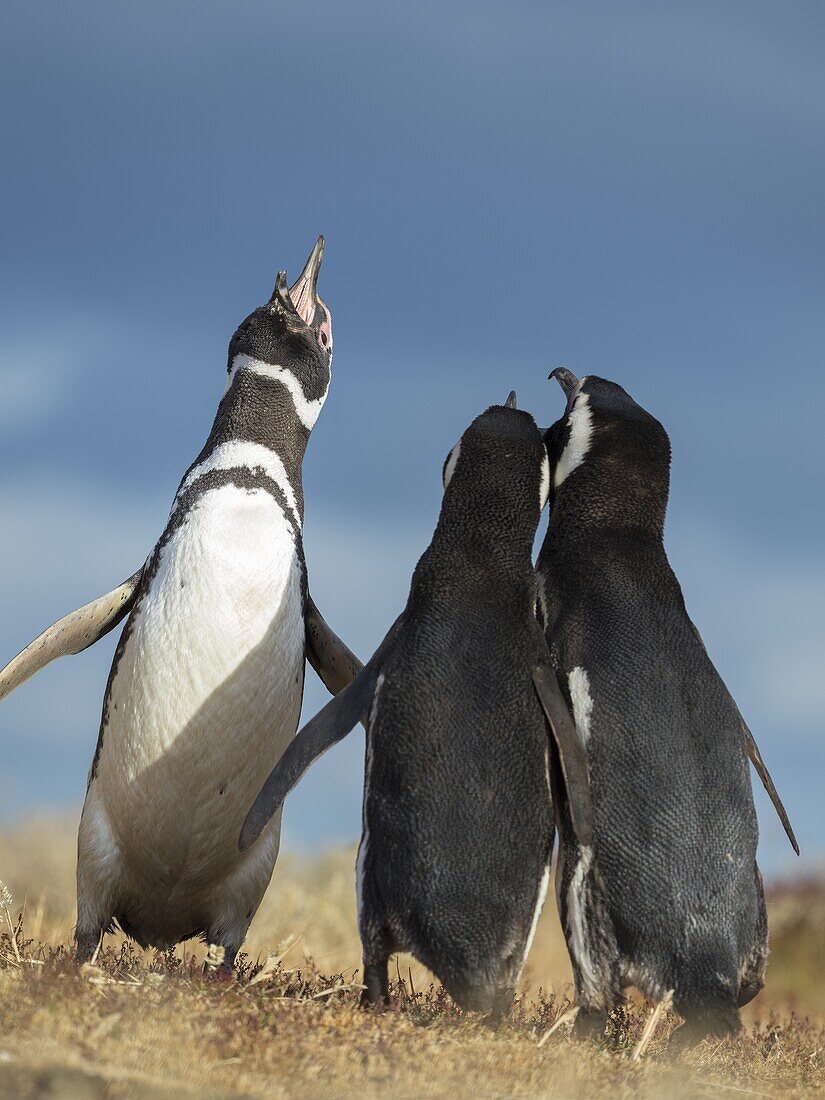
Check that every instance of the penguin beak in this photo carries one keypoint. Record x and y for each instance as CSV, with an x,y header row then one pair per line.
x,y
304,291
569,383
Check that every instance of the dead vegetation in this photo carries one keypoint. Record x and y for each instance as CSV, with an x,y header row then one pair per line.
x,y
144,1024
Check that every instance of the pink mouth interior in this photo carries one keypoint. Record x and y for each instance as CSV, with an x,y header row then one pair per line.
x,y
302,299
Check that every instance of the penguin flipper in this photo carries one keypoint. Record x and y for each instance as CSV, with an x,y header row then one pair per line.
x,y
334,661
571,751
763,773
329,726
71,634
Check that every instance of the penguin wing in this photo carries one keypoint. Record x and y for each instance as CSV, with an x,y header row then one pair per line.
x,y
571,751
334,661
329,726
763,773
71,634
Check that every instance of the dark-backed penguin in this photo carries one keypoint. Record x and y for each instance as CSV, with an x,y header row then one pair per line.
x,y
668,897
205,690
458,827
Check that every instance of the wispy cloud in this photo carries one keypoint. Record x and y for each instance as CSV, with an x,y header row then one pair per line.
x,y
37,372
71,537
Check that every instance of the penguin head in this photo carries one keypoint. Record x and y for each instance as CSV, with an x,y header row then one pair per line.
x,y
609,452
290,338
500,460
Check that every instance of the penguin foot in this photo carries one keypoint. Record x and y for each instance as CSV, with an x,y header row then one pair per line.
x,y
502,1006
694,1031
376,993
684,1038
224,975
219,964
589,1024
381,1004
86,946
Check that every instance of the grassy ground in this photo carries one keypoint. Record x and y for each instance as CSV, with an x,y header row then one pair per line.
x,y
146,1025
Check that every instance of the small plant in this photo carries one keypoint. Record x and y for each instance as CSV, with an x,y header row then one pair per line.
x,y
6,902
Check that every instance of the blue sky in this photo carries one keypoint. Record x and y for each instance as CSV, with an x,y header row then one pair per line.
x,y
633,190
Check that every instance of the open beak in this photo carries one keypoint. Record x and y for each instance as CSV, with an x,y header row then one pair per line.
x,y
568,382
304,291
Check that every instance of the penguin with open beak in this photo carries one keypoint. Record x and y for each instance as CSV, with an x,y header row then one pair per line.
x,y
205,689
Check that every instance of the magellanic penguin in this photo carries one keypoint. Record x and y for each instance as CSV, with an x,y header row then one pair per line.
x,y
205,689
668,897
458,826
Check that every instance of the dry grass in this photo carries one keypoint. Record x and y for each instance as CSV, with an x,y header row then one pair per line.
x,y
147,1025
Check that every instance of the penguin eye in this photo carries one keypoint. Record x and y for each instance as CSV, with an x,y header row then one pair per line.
x,y
323,334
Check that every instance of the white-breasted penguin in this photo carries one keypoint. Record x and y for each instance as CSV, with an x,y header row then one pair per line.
x,y
668,897
205,689
458,830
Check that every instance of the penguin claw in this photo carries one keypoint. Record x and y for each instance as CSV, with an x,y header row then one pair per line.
x,y
378,1006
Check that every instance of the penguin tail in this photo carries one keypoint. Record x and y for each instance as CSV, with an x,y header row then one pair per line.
x,y
707,996
487,990
472,993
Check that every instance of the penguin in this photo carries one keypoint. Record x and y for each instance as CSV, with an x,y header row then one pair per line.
x,y
454,859
206,685
668,897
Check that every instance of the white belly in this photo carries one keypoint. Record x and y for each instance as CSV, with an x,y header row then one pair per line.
x,y
206,696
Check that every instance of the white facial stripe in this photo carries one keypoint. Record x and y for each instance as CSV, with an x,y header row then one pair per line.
x,y
579,684
250,455
580,419
577,391
544,491
307,410
449,469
